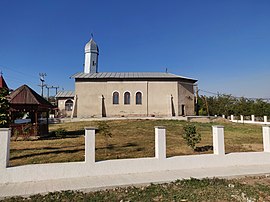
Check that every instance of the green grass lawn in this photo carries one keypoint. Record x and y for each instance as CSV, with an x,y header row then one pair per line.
x,y
243,189
130,139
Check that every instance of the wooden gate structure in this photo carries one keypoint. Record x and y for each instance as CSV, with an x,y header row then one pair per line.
x,y
25,100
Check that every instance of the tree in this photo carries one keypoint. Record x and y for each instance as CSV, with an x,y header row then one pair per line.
x,y
4,108
191,136
228,105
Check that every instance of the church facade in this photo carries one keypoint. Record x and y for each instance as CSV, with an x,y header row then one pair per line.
x,y
101,94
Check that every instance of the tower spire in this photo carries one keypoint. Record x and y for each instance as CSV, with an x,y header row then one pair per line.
x,y
91,56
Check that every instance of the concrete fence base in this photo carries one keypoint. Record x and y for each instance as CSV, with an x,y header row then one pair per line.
x,y
252,121
89,167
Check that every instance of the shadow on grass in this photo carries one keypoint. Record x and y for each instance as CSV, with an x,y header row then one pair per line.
x,y
66,134
204,148
68,151
45,148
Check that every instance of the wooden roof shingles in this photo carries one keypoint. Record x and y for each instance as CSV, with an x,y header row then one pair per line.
x,y
24,95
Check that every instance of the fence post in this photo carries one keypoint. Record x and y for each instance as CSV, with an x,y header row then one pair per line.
x,y
266,138
242,118
160,142
253,118
5,134
264,118
232,118
90,145
218,140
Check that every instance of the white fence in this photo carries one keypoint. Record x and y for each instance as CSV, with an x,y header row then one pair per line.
x,y
89,167
252,120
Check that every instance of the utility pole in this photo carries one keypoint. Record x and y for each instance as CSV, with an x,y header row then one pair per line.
x,y
206,104
48,91
55,87
197,97
42,79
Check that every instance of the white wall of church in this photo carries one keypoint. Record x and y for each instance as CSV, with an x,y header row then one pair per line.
x,y
62,108
158,98
186,98
122,109
89,98
160,94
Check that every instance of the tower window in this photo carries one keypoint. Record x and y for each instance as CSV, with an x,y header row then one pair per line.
x,y
115,98
138,98
127,98
93,63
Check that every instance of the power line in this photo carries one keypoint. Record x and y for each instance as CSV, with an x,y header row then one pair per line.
x,y
48,90
14,70
238,97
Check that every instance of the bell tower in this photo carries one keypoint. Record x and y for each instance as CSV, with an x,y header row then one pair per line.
x,y
91,57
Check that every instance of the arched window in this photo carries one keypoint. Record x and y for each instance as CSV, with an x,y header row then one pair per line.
x,y
127,98
138,98
115,98
68,105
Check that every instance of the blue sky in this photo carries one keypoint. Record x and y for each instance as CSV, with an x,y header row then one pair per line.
x,y
224,44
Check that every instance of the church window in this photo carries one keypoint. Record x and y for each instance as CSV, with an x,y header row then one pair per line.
x,y
127,98
138,98
115,98
68,105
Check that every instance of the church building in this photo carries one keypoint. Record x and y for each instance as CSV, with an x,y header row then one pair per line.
x,y
116,94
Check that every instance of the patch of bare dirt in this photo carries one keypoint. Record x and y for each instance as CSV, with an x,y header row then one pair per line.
x,y
201,120
220,120
209,120
253,147
252,180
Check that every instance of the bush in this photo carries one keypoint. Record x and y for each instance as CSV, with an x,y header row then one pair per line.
x,y
191,136
60,132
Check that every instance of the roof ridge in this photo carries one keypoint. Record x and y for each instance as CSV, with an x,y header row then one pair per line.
x,y
34,98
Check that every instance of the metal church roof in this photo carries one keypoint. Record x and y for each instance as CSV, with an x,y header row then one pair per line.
x,y
65,94
129,75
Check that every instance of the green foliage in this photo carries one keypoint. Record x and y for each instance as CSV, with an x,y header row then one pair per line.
x,y
191,136
60,133
4,108
181,190
229,105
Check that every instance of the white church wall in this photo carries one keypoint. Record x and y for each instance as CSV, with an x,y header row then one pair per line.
x,y
159,95
186,98
61,106
159,98
130,109
89,98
